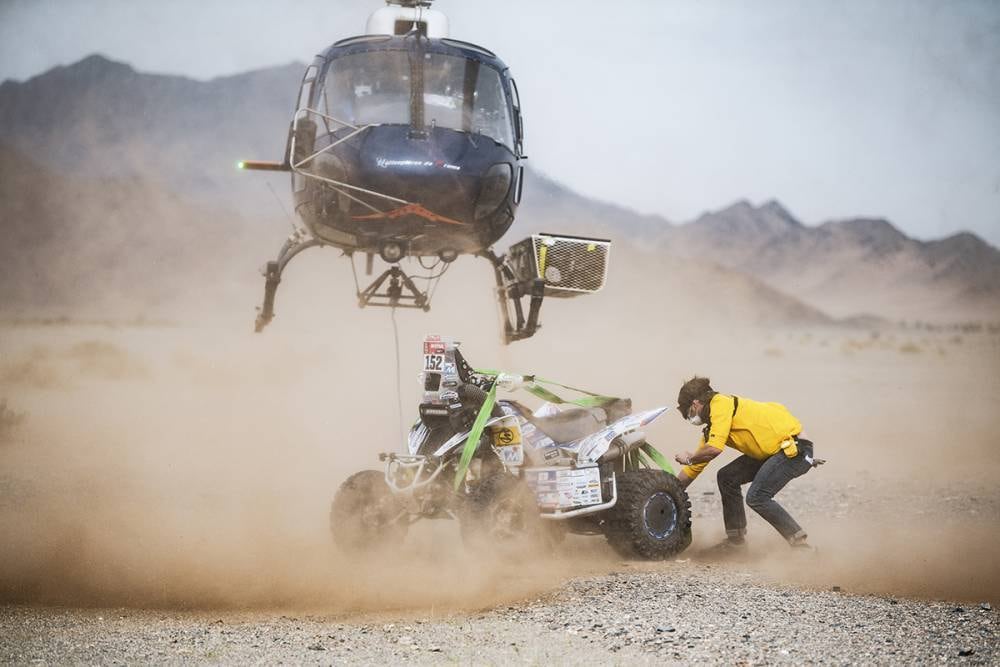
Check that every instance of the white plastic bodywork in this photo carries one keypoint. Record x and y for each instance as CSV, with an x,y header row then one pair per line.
x,y
587,450
460,438
416,437
383,21
576,456
591,448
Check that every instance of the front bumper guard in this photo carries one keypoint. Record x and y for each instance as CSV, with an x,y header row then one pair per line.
x,y
418,464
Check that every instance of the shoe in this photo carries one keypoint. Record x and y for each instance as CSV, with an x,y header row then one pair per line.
x,y
726,549
802,548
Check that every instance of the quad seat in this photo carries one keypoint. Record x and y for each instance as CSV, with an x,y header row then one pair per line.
x,y
570,424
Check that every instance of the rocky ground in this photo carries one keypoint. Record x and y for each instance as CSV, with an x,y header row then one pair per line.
x,y
688,610
679,612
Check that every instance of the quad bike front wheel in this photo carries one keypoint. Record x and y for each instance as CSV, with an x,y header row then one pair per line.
x,y
365,515
652,518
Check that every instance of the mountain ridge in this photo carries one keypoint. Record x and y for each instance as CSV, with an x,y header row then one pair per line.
x,y
834,265
83,244
106,119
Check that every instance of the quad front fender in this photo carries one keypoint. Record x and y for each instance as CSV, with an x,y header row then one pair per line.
x,y
456,442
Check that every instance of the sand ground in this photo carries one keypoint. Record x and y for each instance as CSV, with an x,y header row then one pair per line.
x,y
165,477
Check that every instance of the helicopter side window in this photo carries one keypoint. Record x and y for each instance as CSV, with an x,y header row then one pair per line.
x,y
491,114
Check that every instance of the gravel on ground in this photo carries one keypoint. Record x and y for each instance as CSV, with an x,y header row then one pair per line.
x,y
676,612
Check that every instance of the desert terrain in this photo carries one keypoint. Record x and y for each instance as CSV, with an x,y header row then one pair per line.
x,y
164,490
166,474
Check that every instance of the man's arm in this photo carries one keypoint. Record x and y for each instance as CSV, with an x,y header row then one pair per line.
x,y
721,415
700,458
703,455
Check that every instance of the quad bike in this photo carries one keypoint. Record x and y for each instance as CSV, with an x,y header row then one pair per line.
x,y
509,474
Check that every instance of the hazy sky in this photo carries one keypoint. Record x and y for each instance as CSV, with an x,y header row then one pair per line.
x,y
836,108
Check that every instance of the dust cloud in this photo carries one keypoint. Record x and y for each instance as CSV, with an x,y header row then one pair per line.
x,y
191,463
939,558
171,467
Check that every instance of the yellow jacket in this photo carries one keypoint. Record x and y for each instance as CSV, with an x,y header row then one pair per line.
x,y
757,429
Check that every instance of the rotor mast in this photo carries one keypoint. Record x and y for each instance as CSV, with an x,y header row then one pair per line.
x,y
399,17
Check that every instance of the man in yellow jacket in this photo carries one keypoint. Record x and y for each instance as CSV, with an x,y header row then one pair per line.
x,y
767,435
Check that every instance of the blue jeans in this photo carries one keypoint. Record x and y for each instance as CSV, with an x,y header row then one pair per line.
x,y
766,478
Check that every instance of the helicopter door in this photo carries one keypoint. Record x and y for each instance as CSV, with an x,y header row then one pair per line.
x,y
305,91
518,120
303,143
518,140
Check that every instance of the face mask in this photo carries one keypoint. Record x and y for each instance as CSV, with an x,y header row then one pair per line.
x,y
696,420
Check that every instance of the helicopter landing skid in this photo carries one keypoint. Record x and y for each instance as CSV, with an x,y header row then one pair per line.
x,y
272,276
399,293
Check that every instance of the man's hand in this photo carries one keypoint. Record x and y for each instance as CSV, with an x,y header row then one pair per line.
x,y
703,455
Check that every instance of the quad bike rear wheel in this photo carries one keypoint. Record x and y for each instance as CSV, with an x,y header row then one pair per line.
x,y
365,515
501,513
652,518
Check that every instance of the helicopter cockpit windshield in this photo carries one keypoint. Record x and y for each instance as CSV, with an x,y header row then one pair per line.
x,y
459,93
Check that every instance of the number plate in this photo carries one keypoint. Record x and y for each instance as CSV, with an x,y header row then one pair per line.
x,y
433,362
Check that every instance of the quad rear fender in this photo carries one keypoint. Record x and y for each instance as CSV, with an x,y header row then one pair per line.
x,y
591,448
594,446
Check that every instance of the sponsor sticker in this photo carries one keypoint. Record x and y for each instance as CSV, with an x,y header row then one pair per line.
x,y
512,454
431,347
504,436
567,488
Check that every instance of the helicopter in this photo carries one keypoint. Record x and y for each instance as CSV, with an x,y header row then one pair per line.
x,y
407,143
